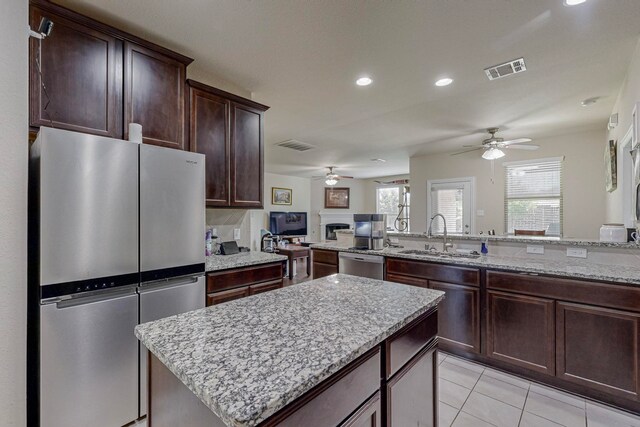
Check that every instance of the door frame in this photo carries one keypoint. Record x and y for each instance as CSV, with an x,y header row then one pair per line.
x,y
471,180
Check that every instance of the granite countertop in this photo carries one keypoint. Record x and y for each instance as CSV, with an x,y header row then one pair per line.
x,y
546,240
243,259
249,358
575,268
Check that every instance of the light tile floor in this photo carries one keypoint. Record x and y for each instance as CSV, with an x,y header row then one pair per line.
x,y
472,395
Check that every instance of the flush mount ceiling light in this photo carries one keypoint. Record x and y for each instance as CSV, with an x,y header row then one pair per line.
x,y
444,82
573,2
493,154
364,81
589,101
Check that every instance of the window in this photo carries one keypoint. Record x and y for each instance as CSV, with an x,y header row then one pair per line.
x,y
453,198
388,199
533,196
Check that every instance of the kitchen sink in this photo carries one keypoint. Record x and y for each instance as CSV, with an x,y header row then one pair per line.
x,y
437,254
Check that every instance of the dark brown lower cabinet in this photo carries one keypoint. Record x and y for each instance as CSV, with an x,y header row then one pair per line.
x,y
226,296
369,415
599,347
411,397
520,330
408,280
324,263
235,283
459,316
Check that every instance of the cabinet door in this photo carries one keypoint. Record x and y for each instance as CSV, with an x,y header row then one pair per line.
x,y
82,73
412,397
520,330
154,96
598,347
225,296
459,316
369,414
246,156
322,270
209,135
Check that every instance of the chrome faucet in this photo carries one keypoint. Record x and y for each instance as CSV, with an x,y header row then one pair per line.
x,y
445,245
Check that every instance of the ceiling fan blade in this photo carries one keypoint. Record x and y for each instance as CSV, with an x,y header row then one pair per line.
x,y
345,177
516,141
473,146
523,147
467,151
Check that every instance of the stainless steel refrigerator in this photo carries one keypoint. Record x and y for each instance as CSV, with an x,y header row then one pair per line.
x,y
115,238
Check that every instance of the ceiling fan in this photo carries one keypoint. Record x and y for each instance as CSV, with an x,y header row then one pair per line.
x,y
332,178
494,145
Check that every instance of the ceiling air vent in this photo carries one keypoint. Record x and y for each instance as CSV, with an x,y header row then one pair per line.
x,y
294,144
508,68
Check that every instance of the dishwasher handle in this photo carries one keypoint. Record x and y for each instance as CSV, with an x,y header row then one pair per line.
x,y
375,259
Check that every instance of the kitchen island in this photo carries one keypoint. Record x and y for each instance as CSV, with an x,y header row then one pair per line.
x,y
333,351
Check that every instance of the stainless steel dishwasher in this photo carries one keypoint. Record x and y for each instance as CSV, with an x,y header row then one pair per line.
x,y
362,265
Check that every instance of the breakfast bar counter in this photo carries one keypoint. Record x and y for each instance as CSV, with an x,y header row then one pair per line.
x,y
287,356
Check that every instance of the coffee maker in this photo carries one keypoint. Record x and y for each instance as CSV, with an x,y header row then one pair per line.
x,y
370,231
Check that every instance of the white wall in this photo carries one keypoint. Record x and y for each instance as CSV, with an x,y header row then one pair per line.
x,y
357,194
13,200
628,96
584,188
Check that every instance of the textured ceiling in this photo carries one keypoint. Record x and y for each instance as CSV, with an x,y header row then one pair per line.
x,y
302,57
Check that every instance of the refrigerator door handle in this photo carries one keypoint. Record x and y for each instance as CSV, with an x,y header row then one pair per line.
x,y
66,302
162,284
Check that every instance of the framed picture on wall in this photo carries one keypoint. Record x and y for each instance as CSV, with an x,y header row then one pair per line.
x,y
336,197
281,196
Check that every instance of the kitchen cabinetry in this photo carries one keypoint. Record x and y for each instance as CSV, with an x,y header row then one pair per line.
x,y
324,263
598,347
229,130
154,96
82,73
520,330
99,79
236,283
459,312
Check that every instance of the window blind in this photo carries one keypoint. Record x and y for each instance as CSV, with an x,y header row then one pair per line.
x,y
448,200
533,196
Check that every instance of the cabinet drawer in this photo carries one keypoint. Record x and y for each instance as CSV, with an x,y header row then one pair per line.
x,y
225,296
325,257
333,402
407,280
228,279
265,287
433,271
600,294
408,341
369,414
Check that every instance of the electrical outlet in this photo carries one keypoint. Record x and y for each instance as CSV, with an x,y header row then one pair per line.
x,y
236,234
577,252
535,249
480,212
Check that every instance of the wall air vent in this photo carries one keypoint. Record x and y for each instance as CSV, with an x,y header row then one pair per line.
x,y
506,69
294,144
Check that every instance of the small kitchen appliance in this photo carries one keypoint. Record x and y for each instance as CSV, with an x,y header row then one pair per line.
x,y
369,231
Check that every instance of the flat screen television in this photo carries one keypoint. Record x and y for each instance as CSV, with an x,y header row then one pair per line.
x,y
288,223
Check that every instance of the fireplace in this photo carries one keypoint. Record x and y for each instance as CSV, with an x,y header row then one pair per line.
x,y
332,218
330,233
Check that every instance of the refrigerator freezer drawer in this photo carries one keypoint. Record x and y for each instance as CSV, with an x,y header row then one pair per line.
x,y
159,301
89,361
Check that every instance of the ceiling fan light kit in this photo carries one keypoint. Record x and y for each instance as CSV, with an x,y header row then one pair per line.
x,y
493,153
493,146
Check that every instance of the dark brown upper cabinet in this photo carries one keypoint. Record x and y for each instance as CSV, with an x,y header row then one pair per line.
x,y
154,96
82,73
229,130
99,79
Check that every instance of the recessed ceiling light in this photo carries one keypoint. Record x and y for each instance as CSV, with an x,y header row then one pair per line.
x,y
444,82
364,81
378,160
573,2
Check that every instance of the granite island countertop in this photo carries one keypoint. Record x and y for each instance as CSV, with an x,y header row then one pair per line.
x,y
249,358
574,268
243,259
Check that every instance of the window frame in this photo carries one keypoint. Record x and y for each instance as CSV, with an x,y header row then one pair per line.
x,y
532,162
400,188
